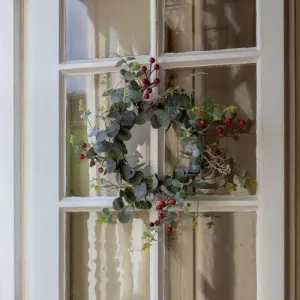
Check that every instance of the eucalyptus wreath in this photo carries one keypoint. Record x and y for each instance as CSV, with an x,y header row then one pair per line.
x,y
199,128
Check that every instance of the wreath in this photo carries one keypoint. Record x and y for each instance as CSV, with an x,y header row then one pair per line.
x,y
200,130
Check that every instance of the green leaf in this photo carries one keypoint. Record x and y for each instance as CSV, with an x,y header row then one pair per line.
x,y
90,153
108,92
106,211
217,113
166,191
140,74
129,196
137,178
194,168
129,76
146,246
250,184
134,66
243,173
230,186
124,216
130,58
110,165
101,220
140,190
118,204
221,182
135,85
117,95
162,117
187,103
118,179
119,63
170,216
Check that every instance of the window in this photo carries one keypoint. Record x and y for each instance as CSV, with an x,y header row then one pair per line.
x,y
68,44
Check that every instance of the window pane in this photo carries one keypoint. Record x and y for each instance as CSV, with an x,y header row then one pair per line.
x,y
224,85
97,28
192,25
89,89
214,263
105,261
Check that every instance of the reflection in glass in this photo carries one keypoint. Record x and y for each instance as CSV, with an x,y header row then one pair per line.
x,y
105,261
192,25
216,263
224,85
89,89
97,28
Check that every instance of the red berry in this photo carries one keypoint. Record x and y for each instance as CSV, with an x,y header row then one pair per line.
x,y
92,163
83,145
169,229
203,122
151,224
228,121
158,207
81,156
156,80
149,90
144,68
156,67
152,60
162,203
156,222
161,215
220,130
172,201
242,123
146,96
100,170
145,81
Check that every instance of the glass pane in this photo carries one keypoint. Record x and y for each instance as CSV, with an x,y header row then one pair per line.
x,y
105,261
80,177
224,85
192,25
214,263
97,28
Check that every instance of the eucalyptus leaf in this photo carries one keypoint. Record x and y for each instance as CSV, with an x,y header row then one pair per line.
x,y
129,76
125,171
118,179
93,132
101,136
107,92
140,74
137,178
114,115
128,118
135,95
221,182
85,115
154,182
118,204
166,191
162,117
106,211
119,63
178,173
124,216
100,147
170,216
140,191
124,134
217,112
119,147
129,196
195,151
130,58
194,168
90,153
117,95
177,184
154,122
180,199
113,129
110,165
141,118
135,85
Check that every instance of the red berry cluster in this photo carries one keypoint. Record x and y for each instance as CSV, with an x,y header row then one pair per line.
x,y
82,156
162,207
228,122
147,85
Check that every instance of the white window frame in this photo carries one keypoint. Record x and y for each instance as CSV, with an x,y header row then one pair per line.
x,y
10,152
43,211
